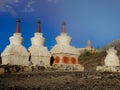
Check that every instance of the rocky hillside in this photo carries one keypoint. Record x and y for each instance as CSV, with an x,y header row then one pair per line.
x,y
114,43
90,62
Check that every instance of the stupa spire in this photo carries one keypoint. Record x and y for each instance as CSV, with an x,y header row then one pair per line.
x,y
63,27
38,29
18,25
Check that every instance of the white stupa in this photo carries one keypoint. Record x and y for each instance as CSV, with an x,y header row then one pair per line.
x,y
66,55
112,59
40,55
112,62
15,53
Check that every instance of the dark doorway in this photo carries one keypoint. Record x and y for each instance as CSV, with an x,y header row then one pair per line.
x,y
52,60
29,56
0,59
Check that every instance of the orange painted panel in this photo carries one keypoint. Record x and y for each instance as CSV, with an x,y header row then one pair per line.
x,y
57,59
65,59
73,60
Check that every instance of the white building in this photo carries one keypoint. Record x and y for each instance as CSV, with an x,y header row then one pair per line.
x,y
112,59
111,62
66,55
15,53
40,55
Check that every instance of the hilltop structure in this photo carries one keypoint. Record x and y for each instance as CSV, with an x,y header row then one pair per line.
x,y
87,48
15,53
66,56
40,55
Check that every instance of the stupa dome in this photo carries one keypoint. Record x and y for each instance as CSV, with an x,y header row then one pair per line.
x,y
63,44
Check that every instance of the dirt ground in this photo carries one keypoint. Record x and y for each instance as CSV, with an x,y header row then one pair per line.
x,y
54,80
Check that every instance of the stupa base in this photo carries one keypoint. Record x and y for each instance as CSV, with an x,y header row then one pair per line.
x,y
69,67
108,68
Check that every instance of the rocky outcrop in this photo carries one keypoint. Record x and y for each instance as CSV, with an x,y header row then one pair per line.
x,y
2,71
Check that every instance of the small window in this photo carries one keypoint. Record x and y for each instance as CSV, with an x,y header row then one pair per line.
x,y
57,59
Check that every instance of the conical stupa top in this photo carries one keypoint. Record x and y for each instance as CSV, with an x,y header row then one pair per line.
x,y
18,25
38,29
88,43
63,27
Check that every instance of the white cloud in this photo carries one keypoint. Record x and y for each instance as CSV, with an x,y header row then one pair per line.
x,y
6,6
29,7
11,5
11,10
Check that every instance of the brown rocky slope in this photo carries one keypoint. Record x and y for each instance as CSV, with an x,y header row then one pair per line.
x,y
91,61
60,81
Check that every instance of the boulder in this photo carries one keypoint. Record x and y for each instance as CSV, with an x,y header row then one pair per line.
x,y
2,71
27,69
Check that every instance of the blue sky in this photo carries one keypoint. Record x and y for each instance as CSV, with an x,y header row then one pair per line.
x,y
97,20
